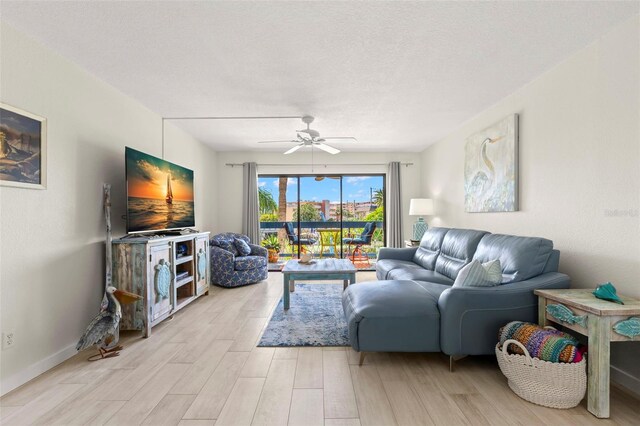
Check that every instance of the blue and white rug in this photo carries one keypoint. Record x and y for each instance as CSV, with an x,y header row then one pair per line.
x,y
315,318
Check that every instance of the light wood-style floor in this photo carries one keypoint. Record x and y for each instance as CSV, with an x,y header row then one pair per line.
x,y
203,368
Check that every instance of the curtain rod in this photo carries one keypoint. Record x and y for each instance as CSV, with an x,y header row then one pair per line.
x,y
316,165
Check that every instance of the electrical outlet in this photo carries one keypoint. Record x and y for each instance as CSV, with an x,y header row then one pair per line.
x,y
8,339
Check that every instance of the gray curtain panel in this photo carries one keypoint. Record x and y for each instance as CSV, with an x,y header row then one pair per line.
x,y
394,206
250,206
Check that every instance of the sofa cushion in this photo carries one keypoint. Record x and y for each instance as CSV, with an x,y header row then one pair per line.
x,y
457,250
418,273
433,288
429,248
392,316
244,263
521,258
384,266
476,274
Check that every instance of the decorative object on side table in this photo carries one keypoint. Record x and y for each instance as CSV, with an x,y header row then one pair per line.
x,y
608,292
603,322
491,168
420,207
306,258
23,148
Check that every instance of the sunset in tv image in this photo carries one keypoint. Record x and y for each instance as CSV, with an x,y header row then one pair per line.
x,y
159,194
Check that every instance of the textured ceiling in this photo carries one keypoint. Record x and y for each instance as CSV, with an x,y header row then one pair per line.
x,y
396,75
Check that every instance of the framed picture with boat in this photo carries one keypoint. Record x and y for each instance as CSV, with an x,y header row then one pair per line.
x,y
159,194
23,148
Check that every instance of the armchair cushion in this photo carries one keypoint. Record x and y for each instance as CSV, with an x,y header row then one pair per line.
x,y
245,263
227,245
242,246
357,240
257,250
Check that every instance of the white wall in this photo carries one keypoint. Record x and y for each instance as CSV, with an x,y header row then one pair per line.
x,y
230,179
579,164
52,241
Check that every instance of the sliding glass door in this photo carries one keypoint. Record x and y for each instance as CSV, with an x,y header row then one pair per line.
x,y
329,216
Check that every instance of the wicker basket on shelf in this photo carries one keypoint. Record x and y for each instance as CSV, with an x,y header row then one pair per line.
x,y
551,384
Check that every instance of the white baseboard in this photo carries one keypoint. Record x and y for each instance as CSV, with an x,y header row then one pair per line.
x,y
626,380
34,370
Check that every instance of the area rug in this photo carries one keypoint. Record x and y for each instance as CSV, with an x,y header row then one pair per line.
x,y
315,318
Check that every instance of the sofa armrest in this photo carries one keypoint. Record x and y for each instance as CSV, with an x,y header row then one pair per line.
x,y
257,250
470,317
397,253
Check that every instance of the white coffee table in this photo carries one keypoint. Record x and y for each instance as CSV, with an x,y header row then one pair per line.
x,y
318,269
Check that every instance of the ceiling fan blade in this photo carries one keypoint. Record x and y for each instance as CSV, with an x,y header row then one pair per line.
x,y
294,149
340,137
278,141
326,148
320,178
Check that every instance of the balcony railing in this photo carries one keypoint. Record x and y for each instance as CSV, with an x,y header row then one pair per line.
x,y
314,229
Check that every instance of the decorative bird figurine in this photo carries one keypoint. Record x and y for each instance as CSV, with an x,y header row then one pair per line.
x,y
103,331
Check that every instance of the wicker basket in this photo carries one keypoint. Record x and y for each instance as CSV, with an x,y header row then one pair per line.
x,y
552,384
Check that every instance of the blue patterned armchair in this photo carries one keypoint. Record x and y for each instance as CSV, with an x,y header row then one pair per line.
x,y
229,268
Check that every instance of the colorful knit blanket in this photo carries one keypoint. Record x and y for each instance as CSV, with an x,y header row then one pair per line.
x,y
546,344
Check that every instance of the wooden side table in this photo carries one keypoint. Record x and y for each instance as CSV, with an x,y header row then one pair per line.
x,y
602,322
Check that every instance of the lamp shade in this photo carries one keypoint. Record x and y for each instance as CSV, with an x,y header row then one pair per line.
x,y
421,207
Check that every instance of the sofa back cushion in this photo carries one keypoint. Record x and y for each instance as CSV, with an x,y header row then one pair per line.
x,y
457,249
429,248
521,257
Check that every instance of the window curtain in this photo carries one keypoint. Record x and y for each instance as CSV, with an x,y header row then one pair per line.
x,y
250,205
394,227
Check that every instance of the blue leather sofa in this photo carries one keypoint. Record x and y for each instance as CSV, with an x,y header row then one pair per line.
x,y
414,308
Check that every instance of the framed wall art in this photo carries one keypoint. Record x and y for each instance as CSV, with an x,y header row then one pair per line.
x,y
491,168
23,148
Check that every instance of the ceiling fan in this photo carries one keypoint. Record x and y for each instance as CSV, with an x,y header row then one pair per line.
x,y
311,137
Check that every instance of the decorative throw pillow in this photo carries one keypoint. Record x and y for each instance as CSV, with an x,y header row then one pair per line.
x,y
242,247
477,274
227,245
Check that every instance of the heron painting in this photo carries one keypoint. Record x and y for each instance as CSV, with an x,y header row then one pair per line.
x,y
491,168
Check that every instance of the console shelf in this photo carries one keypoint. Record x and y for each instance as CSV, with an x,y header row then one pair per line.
x,y
183,259
184,281
150,266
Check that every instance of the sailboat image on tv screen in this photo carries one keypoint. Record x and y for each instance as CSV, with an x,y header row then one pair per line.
x,y
159,194
169,197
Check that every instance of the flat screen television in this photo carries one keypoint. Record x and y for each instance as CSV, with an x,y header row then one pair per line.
x,y
159,194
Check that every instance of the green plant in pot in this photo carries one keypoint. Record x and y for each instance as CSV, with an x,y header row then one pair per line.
x,y
272,244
